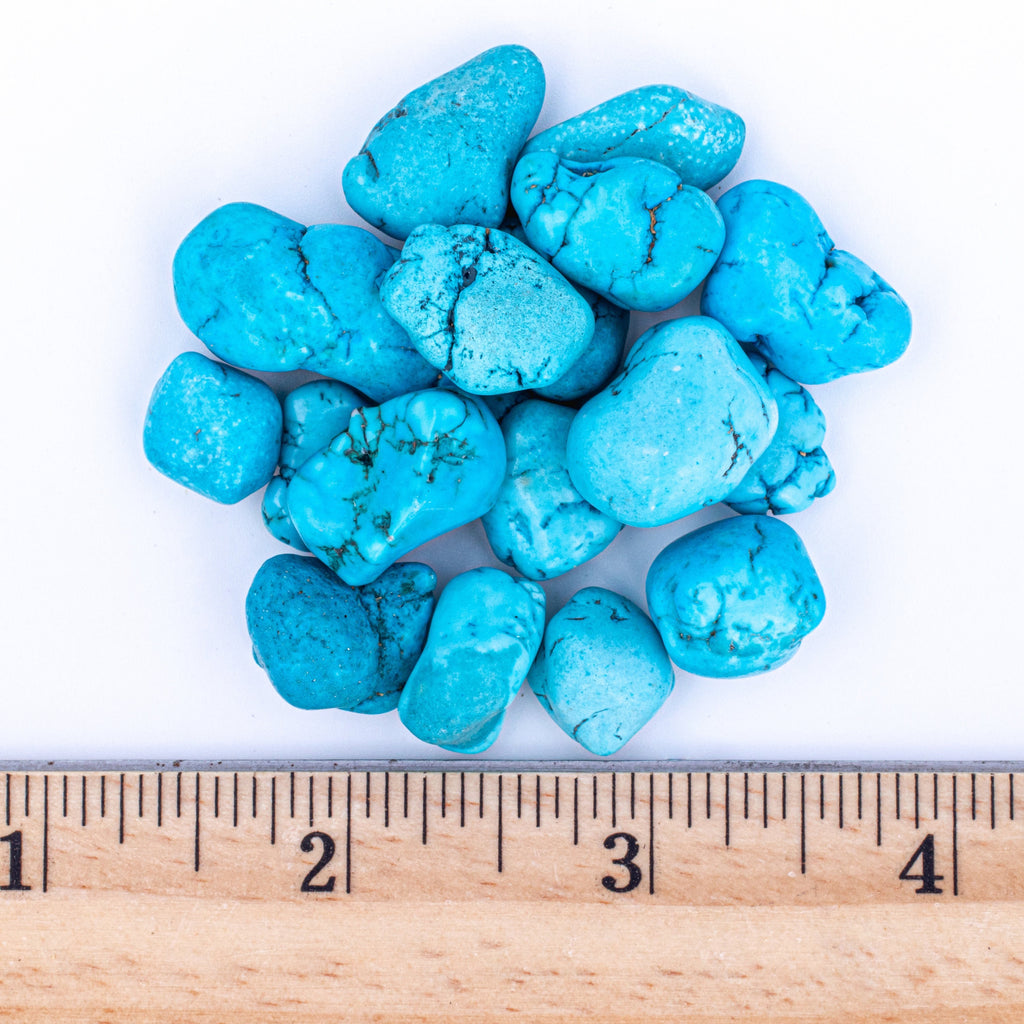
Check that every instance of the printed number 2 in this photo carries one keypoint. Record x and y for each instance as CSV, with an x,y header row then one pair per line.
x,y
925,853
308,885
14,883
626,860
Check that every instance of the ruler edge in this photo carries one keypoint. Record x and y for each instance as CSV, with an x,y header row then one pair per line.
x,y
581,767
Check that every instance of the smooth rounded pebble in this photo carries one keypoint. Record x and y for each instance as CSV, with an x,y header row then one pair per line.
x,y
213,428
814,311
628,229
325,644
444,154
699,140
402,473
485,309
483,639
266,293
602,671
735,597
794,469
676,430
540,525
276,518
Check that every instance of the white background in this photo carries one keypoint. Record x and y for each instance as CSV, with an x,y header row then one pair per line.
x,y
124,124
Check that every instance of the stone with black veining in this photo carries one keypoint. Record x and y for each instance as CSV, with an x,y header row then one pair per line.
x,y
629,229
485,309
701,141
444,154
602,671
794,469
735,597
213,428
540,525
276,518
482,641
266,293
325,644
816,312
402,473
676,430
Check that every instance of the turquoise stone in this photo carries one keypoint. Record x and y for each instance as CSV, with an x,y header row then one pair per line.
x,y
699,140
213,428
402,473
444,154
602,671
325,644
628,229
483,638
276,518
486,309
540,525
794,469
814,311
735,597
676,430
266,293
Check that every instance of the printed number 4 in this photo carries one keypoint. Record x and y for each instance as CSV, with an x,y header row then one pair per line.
x,y
925,853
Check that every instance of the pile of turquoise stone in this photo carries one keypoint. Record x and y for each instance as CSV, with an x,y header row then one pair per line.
x,y
477,372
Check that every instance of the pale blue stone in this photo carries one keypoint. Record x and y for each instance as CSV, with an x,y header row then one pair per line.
x,y
816,312
486,309
276,518
540,525
483,639
213,428
602,671
735,597
628,229
676,430
325,644
266,293
498,405
445,153
794,469
699,140
400,475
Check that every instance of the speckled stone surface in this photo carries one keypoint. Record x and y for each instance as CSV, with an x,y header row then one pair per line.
x,y
266,293
735,597
676,430
628,229
540,525
328,645
486,309
212,428
815,311
400,475
444,154
699,140
482,641
794,470
602,671
274,509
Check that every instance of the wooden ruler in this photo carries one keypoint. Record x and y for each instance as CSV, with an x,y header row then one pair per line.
x,y
482,892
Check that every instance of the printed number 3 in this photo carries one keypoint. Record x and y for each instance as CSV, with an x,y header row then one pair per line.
x,y
626,860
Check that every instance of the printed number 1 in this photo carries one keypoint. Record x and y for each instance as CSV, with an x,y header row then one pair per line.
x,y
14,884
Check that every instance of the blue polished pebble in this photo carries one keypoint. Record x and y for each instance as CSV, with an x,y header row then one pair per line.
x,y
794,469
314,414
814,311
213,428
602,671
400,475
486,309
266,293
735,597
444,154
699,140
328,645
540,525
676,430
628,229
483,639
276,517
498,405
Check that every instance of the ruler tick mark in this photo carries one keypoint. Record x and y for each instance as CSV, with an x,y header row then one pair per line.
x,y
935,796
956,876
500,865
273,810
726,809
764,800
254,794
444,793
85,801
178,798
917,797
840,801
367,794
897,796
556,796
64,812
595,798
46,829
576,811
878,809
974,797
348,829
291,794
613,800
140,796
670,777
821,797
462,799
803,829
7,802
330,796
405,795
519,796
537,800
234,806
707,795
689,800
746,796
387,800
160,798
103,796
783,796
195,860
632,797
27,791
650,835
860,797
481,794
311,801
120,813
1011,796
424,835
992,799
